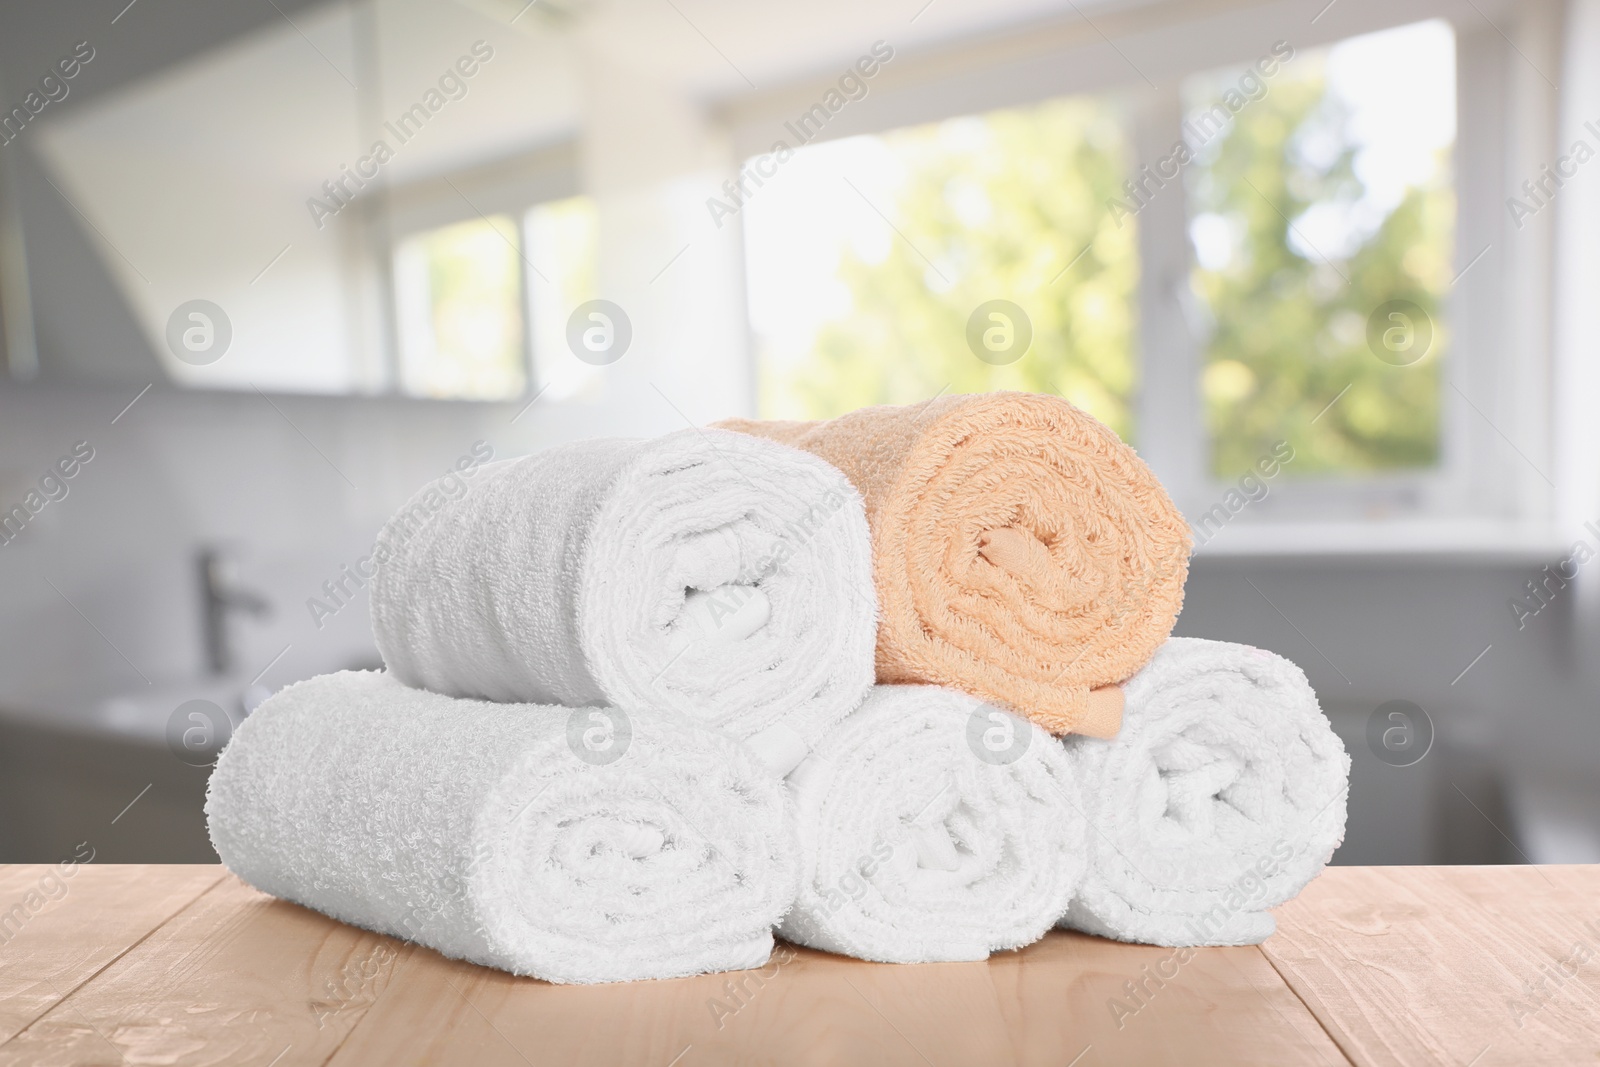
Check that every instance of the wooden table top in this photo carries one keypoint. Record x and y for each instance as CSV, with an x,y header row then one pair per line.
x,y
1478,966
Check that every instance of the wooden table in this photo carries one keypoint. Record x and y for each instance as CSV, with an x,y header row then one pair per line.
x,y
1477,966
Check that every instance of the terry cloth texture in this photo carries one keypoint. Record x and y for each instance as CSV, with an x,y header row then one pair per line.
x,y
1022,552
575,845
1223,796
934,827
708,573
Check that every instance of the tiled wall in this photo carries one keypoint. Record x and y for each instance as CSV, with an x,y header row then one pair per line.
x,y
299,486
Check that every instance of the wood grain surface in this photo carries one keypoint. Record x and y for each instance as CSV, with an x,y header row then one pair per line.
x,y
1485,966
62,924
1401,965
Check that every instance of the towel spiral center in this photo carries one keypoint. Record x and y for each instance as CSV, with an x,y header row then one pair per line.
x,y
1064,577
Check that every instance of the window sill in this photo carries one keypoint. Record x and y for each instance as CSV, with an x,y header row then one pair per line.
x,y
1455,540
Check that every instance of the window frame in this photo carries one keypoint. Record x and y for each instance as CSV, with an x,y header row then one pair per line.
x,y
511,187
1497,384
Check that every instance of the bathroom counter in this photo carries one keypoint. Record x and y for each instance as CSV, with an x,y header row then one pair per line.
x,y
1478,966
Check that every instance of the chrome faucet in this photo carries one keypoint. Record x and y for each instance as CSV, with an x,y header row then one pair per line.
x,y
219,596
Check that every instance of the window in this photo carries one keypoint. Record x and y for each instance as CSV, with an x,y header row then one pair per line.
x,y
869,259
481,304
1329,267
1322,216
562,238
459,309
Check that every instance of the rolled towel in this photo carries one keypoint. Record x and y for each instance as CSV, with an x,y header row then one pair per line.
x,y
1022,552
1222,797
704,572
575,845
933,827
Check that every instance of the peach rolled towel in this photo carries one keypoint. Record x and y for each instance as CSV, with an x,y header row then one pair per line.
x,y
1022,553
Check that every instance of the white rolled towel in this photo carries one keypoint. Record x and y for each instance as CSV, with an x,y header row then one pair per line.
x,y
574,845
933,827
1223,796
711,573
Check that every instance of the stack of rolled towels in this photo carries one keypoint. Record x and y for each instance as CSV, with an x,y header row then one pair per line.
x,y
899,685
